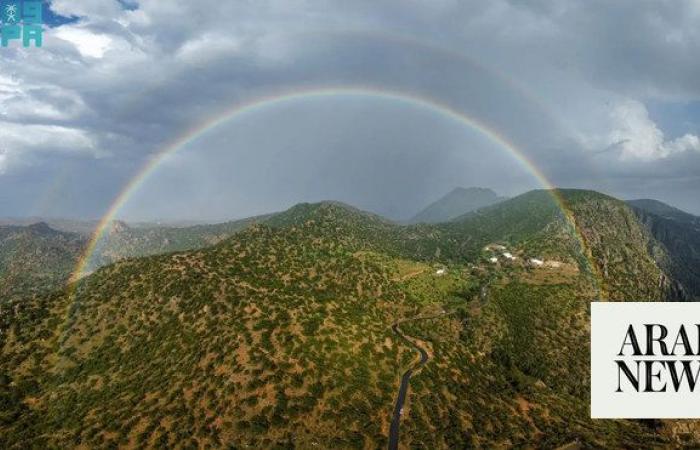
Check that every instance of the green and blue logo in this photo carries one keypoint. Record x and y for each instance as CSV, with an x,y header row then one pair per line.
x,y
21,20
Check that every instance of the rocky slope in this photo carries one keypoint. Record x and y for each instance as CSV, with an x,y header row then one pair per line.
x,y
679,234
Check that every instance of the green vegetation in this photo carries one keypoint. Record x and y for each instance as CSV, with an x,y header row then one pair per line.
x,y
35,259
122,241
512,372
280,335
272,336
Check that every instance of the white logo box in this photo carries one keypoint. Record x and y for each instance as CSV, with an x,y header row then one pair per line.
x,y
610,324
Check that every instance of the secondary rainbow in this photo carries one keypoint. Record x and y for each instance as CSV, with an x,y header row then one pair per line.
x,y
411,99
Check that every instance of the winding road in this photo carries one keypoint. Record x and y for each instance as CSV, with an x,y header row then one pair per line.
x,y
406,378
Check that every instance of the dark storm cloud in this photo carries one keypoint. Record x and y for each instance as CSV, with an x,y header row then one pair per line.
x,y
571,83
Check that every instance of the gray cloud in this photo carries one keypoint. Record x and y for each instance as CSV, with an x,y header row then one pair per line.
x,y
569,82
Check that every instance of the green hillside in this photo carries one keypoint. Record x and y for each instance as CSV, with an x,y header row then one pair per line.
x,y
35,259
123,241
38,257
280,336
271,335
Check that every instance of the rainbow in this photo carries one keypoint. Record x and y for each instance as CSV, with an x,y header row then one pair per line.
x,y
410,99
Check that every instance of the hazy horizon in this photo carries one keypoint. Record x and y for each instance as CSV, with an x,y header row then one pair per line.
x,y
192,221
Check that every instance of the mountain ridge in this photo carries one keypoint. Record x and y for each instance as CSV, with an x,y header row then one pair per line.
x,y
514,220
664,210
455,203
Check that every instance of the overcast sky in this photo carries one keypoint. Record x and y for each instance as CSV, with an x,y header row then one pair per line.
x,y
596,94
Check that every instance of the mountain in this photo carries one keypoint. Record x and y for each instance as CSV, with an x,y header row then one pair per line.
x,y
36,259
679,233
125,241
237,338
665,211
456,203
598,233
280,335
84,227
87,227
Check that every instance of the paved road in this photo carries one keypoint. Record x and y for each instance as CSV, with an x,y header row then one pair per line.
x,y
405,379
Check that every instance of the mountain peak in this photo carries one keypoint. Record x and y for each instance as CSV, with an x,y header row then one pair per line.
x,y
303,212
118,226
662,209
41,228
472,189
456,203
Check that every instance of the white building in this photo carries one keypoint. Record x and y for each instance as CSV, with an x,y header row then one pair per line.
x,y
536,262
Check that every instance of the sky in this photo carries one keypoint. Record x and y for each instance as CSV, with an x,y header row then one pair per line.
x,y
593,94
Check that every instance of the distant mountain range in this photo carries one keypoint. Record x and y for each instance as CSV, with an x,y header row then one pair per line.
x,y
676,231
126,241
665,211
456,203
89,226
275,332
66,225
